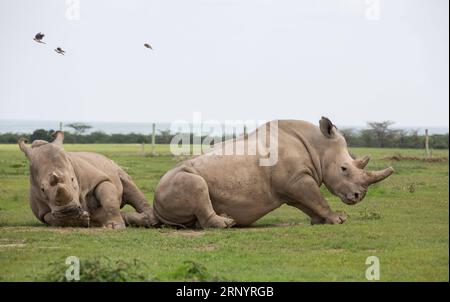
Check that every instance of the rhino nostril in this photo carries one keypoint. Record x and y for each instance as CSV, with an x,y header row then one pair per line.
x,y
356,196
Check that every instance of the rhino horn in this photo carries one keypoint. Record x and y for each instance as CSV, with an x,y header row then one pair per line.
x,y
362,162
25,149
55,179
62,194
59,138
376,176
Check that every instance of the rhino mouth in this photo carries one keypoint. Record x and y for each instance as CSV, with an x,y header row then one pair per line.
x,y
352,198
349,202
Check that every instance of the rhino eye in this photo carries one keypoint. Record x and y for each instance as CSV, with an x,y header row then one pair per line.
x,y
343,169
42,189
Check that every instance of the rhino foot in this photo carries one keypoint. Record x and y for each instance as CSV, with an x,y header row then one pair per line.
x,y
145,219
336,218
317,220
228,220
221,221
68,218
115,225
85,219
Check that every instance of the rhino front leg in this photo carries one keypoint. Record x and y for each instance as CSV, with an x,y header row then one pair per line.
x,y
315,219
108,214
75,218
306,196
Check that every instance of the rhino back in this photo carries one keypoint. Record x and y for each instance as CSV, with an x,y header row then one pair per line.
x,y
240,186
101,164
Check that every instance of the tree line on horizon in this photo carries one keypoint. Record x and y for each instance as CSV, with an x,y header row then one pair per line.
x,y
377,134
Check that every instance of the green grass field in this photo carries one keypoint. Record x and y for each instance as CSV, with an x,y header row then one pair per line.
x,y
404,221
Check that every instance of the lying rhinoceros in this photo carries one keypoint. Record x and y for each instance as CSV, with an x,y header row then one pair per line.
x,y
81,188
214,190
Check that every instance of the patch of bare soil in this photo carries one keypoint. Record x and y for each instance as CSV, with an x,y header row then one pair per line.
x,y
435,159
206,248
264,227
334,251
186,233
11,243
53,229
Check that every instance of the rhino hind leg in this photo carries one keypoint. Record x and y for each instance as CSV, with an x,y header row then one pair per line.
x,y
133,196
144,219
185,196
218,221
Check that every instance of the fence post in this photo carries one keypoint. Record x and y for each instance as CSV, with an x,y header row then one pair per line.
x,y
60,126
427,149
153,138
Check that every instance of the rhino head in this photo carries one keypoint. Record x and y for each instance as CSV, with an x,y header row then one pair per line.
x,y
343,175
52,176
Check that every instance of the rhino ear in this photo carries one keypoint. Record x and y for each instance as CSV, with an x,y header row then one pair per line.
x,y
25,149
59,138
326,126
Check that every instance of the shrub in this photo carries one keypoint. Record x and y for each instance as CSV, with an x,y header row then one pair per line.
x,y
100,269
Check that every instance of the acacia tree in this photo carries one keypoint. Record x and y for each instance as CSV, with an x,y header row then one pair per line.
x,y
79,128
381,131
348,134
165,136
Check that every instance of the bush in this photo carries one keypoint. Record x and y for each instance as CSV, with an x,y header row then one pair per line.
x,y
41,134
194,271
100,269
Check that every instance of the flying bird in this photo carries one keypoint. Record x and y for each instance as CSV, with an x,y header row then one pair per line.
x,y
38,37
60,50
148,46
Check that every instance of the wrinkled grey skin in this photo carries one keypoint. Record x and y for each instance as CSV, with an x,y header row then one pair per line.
x,y
81,189
225,190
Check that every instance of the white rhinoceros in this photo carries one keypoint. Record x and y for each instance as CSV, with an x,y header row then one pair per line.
x,y
81,188
213,190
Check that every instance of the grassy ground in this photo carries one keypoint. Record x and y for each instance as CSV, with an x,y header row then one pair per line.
x,y
404,221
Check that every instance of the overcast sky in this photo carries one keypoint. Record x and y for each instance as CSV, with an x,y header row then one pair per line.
x,y
229,59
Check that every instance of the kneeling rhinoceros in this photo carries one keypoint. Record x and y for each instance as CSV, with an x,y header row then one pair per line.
x,y
81,188
216,190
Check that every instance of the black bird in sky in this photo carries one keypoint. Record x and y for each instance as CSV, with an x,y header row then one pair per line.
x,y
148,46
38,37
60,50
